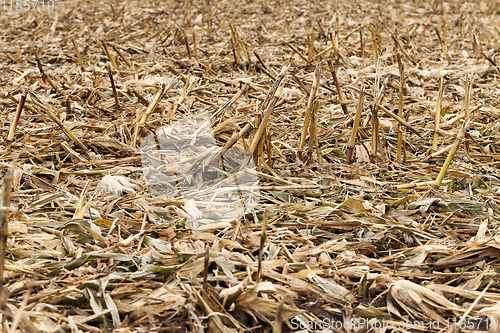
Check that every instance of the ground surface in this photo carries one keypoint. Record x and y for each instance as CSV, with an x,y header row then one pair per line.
x,y
128,218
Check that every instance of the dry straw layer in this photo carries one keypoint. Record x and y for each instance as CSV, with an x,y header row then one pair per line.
x,y
393,233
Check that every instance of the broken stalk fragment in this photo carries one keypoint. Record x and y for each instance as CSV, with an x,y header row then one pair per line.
x,y
475,42
268,73
261,61
82,209
403,50
51,114
245,46
222,110
490,60
337,36
156,100
294,49
83,193
117,50
187,89
234,138
437,153
301,84
219,114
357,117
52,84
400,120
273,89
13,126
141,99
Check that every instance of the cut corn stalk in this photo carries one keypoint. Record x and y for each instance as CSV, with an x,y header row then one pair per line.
x,y
263,237
13,126
335,46
400,109
313,137
263,124
437,118
355,125
420,185
79,211
312,98
78,55
195,46
458,139
273,89
141,120
374,46
187,89
236,45
39,64
4,226
376,143
452,152
310,44
445,41
113,87
361,47
343,103
468,91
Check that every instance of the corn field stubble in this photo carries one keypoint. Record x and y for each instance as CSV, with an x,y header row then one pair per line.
x,y
262,166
